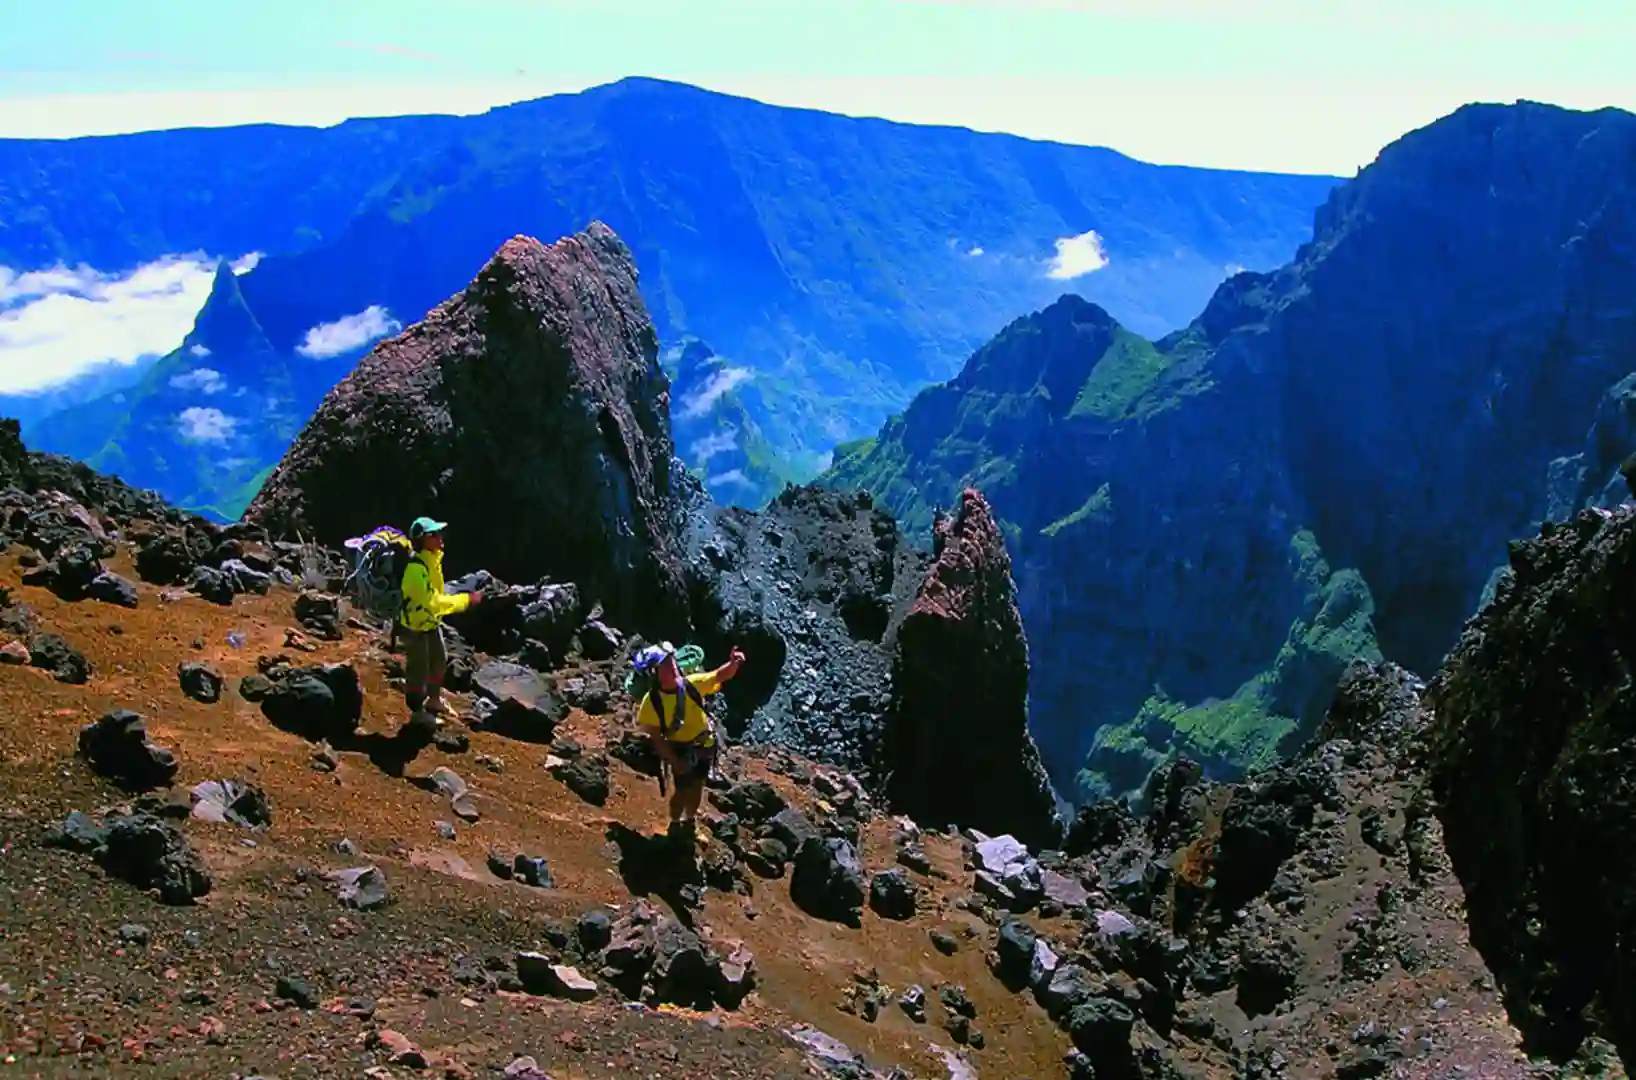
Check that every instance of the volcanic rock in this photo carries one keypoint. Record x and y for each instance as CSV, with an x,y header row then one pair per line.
x,y
957,748
530,405
1535,785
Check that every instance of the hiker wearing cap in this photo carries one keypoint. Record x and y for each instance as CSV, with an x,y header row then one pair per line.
x,y
425,605
673,713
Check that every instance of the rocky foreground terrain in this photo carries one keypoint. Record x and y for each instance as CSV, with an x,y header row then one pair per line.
x,y
260,873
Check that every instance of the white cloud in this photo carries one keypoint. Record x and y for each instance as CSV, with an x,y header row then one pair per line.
x,y
1077,256
348,333
1235,269
975,252
201,351
732,476
708,447
719,383
204,380
246,264
58,322
205,425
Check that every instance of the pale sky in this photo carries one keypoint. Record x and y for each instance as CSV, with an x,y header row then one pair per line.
x,y
1297,85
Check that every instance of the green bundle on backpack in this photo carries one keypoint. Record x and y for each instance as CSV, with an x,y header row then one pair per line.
x,y
643,677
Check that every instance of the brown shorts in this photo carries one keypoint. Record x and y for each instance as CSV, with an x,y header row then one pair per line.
x,y
694,764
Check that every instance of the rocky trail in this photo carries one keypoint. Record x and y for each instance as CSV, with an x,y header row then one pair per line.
x,y
262,873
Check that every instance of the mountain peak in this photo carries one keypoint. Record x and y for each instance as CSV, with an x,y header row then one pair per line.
x,y
226,323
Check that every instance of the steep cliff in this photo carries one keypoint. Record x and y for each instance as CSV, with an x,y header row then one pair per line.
x,y
1535,717
1208,527
957,747
529,411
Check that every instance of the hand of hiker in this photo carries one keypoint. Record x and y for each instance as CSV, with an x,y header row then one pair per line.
x,y
736,658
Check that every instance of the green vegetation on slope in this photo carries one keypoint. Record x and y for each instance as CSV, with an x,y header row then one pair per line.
x,y
1270,713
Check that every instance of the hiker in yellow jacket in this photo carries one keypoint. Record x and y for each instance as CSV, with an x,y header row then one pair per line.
x,y
678,726
425,605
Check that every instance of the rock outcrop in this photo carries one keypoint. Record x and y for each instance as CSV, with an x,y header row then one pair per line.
x,y
813,588
1536,785
957,747
530,412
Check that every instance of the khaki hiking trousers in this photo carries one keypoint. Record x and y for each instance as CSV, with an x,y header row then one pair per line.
x,y
424,660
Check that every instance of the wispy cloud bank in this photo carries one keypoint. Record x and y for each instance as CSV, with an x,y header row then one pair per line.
x,y
348,333
202,380
699,402
205,425
708,447
1077,256
732,476
59,322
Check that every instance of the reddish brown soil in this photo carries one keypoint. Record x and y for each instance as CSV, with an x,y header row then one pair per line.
x,y
76,998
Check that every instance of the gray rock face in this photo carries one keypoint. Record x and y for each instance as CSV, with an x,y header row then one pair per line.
x,y
812,589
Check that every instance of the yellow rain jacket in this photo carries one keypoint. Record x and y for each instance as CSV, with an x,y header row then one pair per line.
x,y
425,604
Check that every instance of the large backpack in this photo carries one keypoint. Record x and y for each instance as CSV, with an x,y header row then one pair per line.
x,y
643,679
376,580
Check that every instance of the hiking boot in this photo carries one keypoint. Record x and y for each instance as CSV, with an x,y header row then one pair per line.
x,y
420,718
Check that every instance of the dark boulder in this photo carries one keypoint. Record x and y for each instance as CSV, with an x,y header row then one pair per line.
x,y
141,849
1014,953
528,707
320,614
209,583
553,616
322,702
163,558
585,776
69,575
117,746
827,882
201,681
66,664
892,895
110,588
754,801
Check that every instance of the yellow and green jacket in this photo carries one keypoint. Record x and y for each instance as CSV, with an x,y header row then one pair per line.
x,y
425,604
